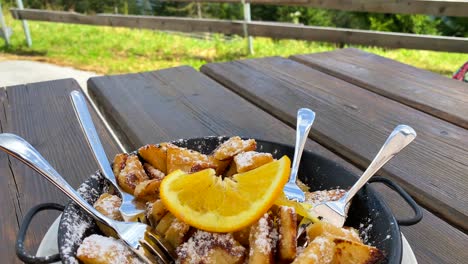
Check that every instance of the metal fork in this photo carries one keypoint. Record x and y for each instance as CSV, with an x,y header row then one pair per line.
x,y
305,119
130,210
144,241
336,212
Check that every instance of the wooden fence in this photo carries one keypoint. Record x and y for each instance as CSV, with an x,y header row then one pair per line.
x,y
286,31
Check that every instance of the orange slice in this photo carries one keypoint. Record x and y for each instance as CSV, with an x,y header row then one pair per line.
x,y
210,203
302,209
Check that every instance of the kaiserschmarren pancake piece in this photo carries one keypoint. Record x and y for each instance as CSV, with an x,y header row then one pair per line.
x,y
326,229
108,205
119,163
155,211
147,190
262,240
176,232
156,155
349,252
204,247
97,249
250,160
272,238
187,160
319,251
153,173
132,174
233,146
287,230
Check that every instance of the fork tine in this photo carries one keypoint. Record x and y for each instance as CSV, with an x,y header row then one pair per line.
x,y
155,251
162,243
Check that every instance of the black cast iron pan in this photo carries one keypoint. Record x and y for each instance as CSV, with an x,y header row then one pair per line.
x,y
368,213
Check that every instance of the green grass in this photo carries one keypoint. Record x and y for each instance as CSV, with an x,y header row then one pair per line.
x,y
119,50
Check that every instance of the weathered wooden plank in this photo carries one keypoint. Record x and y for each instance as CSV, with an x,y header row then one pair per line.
x,y
429,92
255,28
436,8
358,37
182,103
355,122
9,205
42,114
181,24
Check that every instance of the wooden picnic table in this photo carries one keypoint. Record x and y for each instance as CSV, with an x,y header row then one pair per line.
x,y
358,97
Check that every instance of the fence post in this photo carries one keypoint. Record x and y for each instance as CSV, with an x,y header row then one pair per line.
x,y
5,33
25,25
247,19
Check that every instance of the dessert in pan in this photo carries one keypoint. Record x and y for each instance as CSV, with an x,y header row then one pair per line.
x,y
168,179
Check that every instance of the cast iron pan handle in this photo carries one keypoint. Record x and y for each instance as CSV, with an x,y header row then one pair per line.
x,y
417,210
20,251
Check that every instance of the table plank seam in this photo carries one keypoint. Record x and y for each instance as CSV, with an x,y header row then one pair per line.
x,y
423,107
3,128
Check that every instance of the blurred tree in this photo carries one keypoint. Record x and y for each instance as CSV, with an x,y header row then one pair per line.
x,y
454,26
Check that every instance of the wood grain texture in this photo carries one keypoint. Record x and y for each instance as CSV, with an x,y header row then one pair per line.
x,y
355,122
42,114
358,37
181,24
429,92
9,206
180,102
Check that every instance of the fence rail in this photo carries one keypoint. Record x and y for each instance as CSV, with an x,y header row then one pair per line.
x,y
264,29
428,7
282,30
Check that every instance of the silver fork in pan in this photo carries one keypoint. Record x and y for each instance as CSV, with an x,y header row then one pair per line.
x,y
129,209
305,119
147,244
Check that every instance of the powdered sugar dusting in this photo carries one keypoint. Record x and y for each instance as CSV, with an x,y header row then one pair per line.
x,y
197,248
317,197
76,224
113,250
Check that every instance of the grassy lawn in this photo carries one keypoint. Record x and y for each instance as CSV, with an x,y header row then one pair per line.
x,y
109,50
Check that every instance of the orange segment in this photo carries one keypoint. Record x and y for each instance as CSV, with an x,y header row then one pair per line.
x,y
210,203
302,209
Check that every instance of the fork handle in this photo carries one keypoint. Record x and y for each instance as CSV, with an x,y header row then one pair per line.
x,y
92,137
401,136
305,119
23,151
